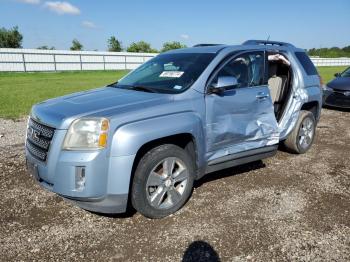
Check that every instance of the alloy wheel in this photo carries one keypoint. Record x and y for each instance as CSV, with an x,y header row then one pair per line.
x,y
167,182
306,133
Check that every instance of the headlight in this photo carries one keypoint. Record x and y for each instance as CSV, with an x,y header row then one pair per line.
x,y
87,134
326,88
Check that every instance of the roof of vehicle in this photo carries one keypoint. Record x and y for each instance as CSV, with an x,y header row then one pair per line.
x,y
250,44
200,49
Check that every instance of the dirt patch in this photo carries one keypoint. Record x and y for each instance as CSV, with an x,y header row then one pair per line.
x,y
289,207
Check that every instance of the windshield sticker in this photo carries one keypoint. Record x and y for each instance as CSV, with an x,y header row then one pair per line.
x,y
177,87
173,74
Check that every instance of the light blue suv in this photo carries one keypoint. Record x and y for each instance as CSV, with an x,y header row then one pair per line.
x,y
183,114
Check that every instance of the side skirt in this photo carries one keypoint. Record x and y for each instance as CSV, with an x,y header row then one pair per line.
x,y
240,158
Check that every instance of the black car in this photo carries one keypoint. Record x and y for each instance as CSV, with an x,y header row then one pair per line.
x,y
337,92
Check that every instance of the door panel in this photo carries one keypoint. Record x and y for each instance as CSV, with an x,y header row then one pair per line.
x,y
240,119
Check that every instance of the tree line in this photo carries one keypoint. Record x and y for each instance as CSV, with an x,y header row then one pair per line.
x,y
12,38
115,45
332,52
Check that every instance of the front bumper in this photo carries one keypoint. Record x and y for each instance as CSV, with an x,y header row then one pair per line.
x,y
106,178
336,99
108,204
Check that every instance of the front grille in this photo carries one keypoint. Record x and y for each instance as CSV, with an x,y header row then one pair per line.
x,y
39,138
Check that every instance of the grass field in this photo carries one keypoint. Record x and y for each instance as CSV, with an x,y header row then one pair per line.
x,y
19,91
327,72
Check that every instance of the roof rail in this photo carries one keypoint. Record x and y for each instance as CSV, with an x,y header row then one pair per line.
x,y
200,45
265,42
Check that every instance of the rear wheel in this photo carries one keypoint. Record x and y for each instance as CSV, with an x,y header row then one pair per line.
x,y
163,181
301,138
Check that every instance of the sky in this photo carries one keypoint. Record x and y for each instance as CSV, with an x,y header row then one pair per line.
x,y
305,23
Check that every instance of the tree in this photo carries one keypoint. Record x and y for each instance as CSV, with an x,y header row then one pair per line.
x,y
114,45
332,52
141,47
76,45
45,47
11,38
347,49
172,45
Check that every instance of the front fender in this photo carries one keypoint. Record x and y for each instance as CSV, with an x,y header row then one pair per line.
x,y
130,137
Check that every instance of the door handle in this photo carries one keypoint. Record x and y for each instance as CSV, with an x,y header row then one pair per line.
x,y
262,95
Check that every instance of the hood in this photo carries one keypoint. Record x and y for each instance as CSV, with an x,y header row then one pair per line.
x,y
60,112
340,83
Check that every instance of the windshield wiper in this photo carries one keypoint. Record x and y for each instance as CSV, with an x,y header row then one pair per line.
x,y
113,84
142,88
134,87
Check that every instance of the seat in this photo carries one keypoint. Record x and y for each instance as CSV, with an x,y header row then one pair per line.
x,y
237,69
277,84
241,73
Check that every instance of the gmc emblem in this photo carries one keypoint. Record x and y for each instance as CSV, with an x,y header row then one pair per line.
x,y
34,134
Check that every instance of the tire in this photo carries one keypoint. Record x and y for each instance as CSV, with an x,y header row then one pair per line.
x,y
301,138
163,181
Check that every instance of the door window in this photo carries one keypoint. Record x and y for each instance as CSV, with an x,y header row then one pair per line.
x,y
247,68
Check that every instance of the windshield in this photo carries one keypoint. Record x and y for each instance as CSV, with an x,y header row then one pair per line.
x,y
346,73
167,73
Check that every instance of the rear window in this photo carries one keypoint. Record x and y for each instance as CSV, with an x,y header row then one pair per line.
x,y
307,64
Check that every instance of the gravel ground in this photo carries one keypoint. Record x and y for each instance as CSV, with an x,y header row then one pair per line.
x,y
289,207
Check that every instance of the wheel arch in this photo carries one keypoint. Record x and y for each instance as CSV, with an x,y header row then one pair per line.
x,y
184,140
134,139
313,107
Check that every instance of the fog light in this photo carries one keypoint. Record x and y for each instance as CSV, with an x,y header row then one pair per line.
x,y
79,177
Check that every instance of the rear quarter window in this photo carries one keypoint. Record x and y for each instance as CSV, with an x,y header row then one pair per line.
x,y
306,63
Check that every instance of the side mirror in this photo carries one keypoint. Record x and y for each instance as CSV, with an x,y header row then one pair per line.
x,y
337,74
224,82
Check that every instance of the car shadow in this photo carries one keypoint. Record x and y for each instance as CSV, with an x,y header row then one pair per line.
x,y
200,251
130,212
283,148
232,171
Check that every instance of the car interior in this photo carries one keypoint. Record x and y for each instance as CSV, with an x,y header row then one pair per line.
x,y
279,81
247,69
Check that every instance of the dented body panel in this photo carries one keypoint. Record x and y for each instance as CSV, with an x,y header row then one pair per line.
x,y
238,121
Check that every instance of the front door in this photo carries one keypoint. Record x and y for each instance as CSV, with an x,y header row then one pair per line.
x,y
242,117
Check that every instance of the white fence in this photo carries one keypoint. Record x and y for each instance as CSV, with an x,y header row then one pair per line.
x,y
27,60
342,61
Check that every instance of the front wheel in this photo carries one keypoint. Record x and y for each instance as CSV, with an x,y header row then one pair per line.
x,y
301,138
163,181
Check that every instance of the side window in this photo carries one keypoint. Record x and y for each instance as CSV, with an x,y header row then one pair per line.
x,y
306,62
247,68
